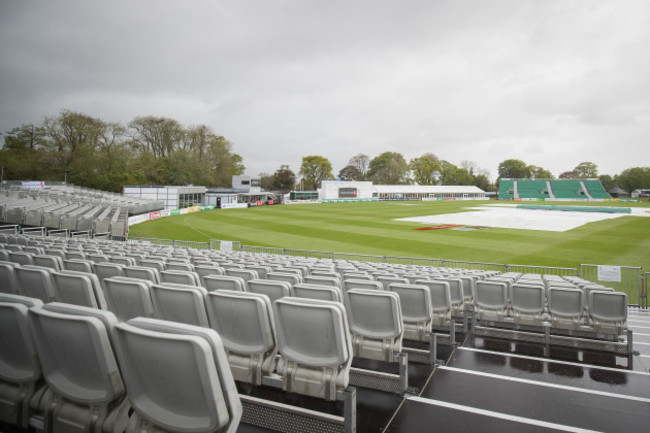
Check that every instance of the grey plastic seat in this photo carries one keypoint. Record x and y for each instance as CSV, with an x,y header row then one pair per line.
x,y
388,280
314,345
245,274
218,282
262,271
415,301
128,297
528,304
316,291
36,282
362,284
75,352
120,260
108,270
21,257
375,320
566,307
78,265
46,261
271,288
178,266
78,288
152,263
322,281
19,368
143,273
199,393
180,277
457,296
608,312
321,273
97,258
283,276
180,303
440,301
75,255
469,287
491,300
9,282
245,323
204,270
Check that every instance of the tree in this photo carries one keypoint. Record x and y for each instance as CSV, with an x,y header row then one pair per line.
x,y
514,169
350,172
284,179
539,172
360,163
426,169
568,175
159,135
314,170
586,170
607,181
266,181
452,175
389,168
634,178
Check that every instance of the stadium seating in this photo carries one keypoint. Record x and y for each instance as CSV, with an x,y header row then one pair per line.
x,y
596,189
506,189
532,188
568,189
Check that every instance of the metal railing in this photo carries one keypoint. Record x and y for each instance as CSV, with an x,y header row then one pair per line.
x,y
193,244
630,281
216,244
473,265
11,229
34,231
309,254
643,297
262,250
543,270
417,261
358,257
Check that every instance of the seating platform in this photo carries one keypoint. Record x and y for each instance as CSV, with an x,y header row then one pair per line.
x,y
294,353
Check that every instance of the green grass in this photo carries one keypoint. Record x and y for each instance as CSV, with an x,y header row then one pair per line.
x,y
369,228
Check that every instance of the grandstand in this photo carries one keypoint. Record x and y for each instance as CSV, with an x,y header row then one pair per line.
x,y
196,338
562,189
69,208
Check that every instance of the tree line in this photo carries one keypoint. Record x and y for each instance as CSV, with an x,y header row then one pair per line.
x,y
104,155
161,151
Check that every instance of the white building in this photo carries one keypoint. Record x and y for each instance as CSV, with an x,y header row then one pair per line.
x,y
351,190
173,197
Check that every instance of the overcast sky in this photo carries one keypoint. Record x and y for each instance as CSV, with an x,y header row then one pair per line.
x,y
551,82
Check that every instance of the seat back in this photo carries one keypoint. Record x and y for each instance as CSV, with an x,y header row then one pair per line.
x,y
349,284
244,274
128,297
271,288
205,270
143,273
528,304
262,271
78,265
198,392
36,282
375,320
120,260
244,322
491,300
608,311
440,300
314,344
180,277
566,307
180,303
316,291
322,281
178,266
45,261
19,367
78,288
283,276
75,352
108,270
415,301
151,263
218,282
21,257
388,280
9,282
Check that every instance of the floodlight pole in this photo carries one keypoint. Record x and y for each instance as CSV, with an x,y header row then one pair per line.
x,y
65,177
2,176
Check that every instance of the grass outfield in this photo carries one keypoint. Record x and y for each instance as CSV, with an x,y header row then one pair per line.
x,y
368,228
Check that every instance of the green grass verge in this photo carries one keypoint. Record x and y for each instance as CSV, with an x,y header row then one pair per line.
x,y
369,228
